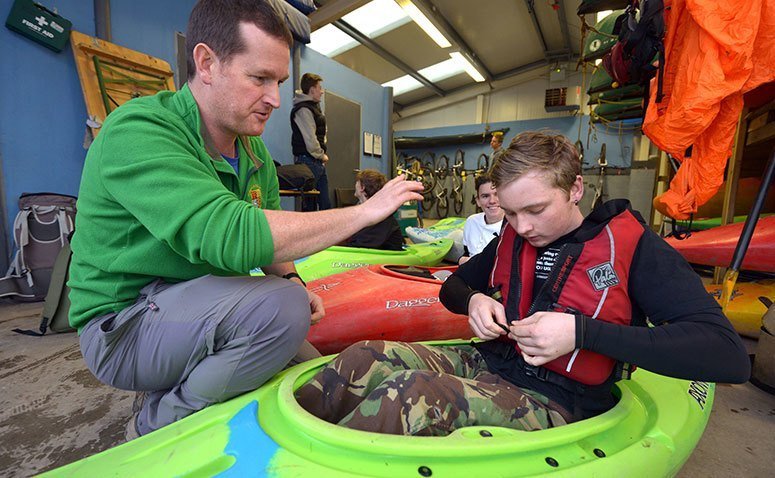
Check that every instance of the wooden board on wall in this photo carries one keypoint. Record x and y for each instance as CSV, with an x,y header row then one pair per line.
x,y
111,75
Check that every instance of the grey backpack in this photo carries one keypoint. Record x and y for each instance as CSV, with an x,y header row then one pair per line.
x,y
41,229
54,317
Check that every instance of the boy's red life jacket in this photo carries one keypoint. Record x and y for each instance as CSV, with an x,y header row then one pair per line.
x,y
589,277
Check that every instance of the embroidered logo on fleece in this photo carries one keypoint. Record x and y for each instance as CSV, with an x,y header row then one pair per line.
x,y
255,195
603,276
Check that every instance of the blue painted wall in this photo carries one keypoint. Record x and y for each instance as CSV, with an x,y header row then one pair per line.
x,y
618,145
149,26
42,110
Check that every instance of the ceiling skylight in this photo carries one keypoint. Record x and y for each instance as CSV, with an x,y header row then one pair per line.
x,y
377,17
602,14
434,73
373,19
403,85
331,41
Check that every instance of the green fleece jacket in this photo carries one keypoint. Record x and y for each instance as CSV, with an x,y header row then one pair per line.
x,y
158,201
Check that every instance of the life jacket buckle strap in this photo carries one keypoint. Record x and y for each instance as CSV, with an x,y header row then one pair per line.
x,y
540,373
626,370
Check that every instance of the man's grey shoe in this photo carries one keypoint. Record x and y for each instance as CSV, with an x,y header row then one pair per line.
x,y
130,433
131,427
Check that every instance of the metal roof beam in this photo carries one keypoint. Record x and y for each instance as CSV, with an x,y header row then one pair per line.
x,y
432,12
333,11
564,25
386,55
530,4
520,69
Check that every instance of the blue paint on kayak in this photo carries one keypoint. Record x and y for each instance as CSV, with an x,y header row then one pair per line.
x,y
252,448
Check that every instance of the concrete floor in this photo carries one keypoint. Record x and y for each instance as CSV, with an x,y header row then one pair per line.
x,y
53,411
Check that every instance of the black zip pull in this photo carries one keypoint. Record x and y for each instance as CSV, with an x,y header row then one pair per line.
x,y
495,293
561,308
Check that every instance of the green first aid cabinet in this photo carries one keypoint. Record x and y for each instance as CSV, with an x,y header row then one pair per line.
x,y
407,216
40,24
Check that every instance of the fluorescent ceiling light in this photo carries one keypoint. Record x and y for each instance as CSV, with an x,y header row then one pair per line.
x,y
467,66
437,72
423,22
373,19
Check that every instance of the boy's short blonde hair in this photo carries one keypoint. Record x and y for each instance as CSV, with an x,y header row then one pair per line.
x,y
551,154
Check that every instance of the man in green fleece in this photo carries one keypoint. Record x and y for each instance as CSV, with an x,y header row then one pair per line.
x,y
178,202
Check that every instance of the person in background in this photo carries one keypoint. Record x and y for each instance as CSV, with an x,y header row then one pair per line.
x,y
496,143
566,305
308,139
483,227
386,234
178,202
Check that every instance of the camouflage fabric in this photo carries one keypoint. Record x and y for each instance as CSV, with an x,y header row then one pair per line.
x,y
412,389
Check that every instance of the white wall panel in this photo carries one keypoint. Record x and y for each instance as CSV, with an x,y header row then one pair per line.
x,y
524,101
461,113
503,105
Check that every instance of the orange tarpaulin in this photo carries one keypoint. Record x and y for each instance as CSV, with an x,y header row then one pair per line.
x,y
714,53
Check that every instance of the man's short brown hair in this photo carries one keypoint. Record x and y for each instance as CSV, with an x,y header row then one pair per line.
x,y
550,154
308,80
481,180
371,180
216,24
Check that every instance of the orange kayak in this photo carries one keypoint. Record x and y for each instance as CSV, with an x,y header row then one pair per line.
x,y
714,246
386,303
745,310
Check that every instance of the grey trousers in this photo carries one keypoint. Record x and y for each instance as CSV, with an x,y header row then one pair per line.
x,y
199,342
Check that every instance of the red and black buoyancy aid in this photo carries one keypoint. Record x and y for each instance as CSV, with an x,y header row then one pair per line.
x,y
588,277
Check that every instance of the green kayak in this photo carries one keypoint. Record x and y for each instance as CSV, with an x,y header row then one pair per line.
x,y
614,108
615,94
600,42
448,228
651,432
600,81
339,258
448,223
703,224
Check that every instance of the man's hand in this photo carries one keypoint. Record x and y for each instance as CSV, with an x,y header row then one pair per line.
x,y
316,307
317,311
483,313
544,336
324,159
388,199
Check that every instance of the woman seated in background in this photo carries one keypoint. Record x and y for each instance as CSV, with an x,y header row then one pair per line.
x,y
383,235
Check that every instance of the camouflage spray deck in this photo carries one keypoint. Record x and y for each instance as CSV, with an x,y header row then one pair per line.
x,y
651,432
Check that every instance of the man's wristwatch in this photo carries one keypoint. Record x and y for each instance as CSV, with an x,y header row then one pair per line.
x,y
291,275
